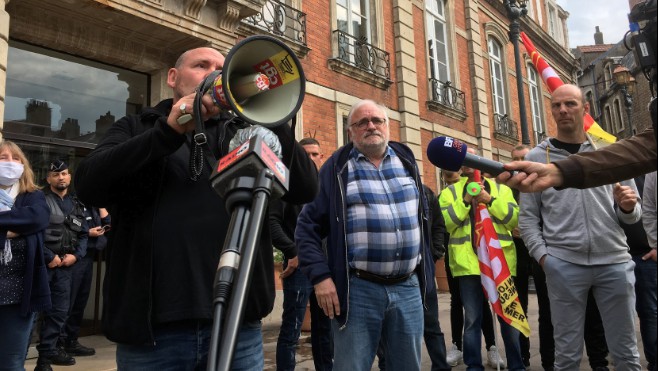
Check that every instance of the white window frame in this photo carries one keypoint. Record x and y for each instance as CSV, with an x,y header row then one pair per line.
x,y
534,89
619,116
498,95
439,70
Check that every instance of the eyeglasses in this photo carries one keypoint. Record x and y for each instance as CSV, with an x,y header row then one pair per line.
x,y
363,123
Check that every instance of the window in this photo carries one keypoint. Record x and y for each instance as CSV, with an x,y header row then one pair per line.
x,y
496,69
618,119
357,40
552,22
607,75
63,110
437,41
441,89
538,124
590,100
608,119
353,18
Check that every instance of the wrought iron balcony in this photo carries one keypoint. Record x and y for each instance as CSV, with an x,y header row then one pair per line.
x,y
360,54
446,94
506,127
281,20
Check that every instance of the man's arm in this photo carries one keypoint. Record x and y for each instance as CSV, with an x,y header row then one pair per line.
x,y
121,154
438,226
619,161
280,238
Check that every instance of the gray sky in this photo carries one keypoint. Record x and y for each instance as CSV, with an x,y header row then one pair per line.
x,y
584,15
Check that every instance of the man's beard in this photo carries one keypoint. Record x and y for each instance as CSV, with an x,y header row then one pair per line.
x,y
61,186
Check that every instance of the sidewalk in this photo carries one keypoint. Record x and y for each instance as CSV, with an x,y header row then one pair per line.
x,y
105,350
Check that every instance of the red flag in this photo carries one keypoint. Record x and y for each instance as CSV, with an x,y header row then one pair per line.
x,y
553,81
496,278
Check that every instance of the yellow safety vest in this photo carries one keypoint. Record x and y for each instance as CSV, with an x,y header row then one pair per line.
x,y
504,212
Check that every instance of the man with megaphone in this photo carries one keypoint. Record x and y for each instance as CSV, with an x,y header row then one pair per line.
x,y
169,224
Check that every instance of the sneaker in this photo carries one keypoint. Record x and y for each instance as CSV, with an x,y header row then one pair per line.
x,y
493,358
74,348
59,358
454,356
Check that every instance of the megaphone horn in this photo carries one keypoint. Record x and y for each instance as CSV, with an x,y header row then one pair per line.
x,y
262,82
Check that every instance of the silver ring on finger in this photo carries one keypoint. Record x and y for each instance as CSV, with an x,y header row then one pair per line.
x,y
183,108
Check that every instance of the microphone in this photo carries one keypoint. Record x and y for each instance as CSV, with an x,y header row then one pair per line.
x,y
243,135
450,154
252,149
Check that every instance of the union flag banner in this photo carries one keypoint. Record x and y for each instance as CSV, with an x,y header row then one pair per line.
x,y
496,278
552,81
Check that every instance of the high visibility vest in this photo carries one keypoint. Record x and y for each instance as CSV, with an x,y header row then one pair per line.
x,y
504,213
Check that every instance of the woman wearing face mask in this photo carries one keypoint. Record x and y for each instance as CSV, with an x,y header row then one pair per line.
x,y
23,278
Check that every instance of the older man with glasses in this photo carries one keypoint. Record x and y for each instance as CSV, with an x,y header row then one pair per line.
x,y
377,269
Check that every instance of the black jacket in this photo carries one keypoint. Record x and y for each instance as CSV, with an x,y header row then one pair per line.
x,y
437,224
167,230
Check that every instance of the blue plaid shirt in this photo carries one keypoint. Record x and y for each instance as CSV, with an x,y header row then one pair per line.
x,y
383,232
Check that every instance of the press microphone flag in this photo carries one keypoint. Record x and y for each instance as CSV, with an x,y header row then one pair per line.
x,y
450,154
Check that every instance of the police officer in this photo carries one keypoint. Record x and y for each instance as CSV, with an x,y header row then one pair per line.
x,y
66,242
98,220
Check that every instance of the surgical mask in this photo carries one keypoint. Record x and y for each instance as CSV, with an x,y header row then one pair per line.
x,y
10,173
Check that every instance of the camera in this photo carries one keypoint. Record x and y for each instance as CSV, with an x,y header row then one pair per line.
x,y
643,31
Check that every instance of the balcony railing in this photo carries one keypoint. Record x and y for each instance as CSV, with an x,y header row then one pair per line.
x,y
281,20
360,54
505,126
446,94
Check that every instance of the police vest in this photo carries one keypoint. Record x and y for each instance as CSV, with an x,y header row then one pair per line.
x,y
61,235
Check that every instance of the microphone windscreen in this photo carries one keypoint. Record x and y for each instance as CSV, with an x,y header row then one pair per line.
x,y
243,135
446,153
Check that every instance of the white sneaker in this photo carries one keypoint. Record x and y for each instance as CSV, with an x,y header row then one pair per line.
x,y
454,356
493,358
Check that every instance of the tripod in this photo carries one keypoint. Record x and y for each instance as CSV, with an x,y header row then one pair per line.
x,y
236,261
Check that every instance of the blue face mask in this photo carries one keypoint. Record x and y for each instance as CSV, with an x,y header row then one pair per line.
x,y
10,173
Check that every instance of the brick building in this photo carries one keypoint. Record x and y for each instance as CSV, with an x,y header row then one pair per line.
x,y
442,67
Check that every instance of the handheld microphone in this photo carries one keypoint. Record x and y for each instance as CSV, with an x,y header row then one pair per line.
x,y
450,154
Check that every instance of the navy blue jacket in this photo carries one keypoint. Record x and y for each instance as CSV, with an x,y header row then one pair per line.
x,y
29,218
326,217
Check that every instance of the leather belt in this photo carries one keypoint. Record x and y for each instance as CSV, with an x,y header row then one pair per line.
x,y
376,278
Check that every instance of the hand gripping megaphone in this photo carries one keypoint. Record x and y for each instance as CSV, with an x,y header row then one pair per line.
x,y
262,82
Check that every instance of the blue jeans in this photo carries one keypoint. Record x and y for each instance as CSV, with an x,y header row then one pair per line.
x,y
472,296
393,313
297,290
434,339
14,337
184,346
645,304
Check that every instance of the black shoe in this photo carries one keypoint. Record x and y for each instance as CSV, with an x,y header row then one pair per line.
x,y
59,358
74,348
43,365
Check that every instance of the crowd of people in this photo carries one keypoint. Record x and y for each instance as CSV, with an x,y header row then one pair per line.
x,y
360,233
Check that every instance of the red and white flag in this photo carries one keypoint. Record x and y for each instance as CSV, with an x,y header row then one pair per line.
x,y
496,278
552,81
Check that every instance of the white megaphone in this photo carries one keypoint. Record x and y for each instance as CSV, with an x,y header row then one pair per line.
x,y
262,82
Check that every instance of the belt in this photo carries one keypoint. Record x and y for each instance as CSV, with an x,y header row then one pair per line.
x,y
376,278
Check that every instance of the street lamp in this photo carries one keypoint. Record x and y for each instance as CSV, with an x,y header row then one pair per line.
x,y
515,10
626,83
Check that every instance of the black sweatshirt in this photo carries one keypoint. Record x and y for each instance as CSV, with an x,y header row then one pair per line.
x,y
168,230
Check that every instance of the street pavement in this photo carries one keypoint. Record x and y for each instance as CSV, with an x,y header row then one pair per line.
x,y
105,350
